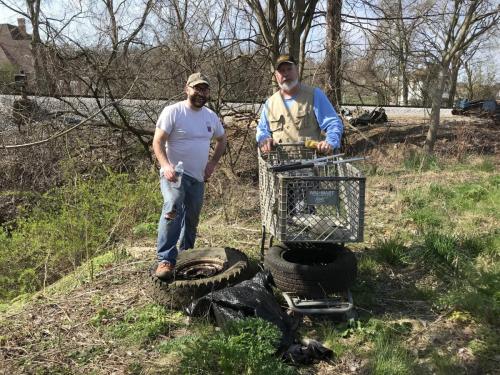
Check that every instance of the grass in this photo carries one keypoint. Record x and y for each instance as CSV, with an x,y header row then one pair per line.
x,y
443,259
453,206
83,274
392,251
139,325
69,226
450,246
421,162
390,357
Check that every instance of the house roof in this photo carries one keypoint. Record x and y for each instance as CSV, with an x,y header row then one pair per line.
x,y
15,47
16,33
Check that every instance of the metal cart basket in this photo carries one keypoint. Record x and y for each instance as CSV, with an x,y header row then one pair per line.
x,y
324,203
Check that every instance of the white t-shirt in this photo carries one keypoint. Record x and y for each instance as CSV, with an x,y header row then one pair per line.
x,y
189,133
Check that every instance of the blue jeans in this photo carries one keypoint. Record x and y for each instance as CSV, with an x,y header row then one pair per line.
x,y
186,202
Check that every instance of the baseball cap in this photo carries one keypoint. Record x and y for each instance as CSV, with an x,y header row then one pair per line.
x,y
282,59
197,78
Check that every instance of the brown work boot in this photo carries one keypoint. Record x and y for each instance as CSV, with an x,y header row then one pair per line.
x,y
164,271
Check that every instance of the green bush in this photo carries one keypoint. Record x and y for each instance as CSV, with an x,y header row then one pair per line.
x,y
70,225
242,347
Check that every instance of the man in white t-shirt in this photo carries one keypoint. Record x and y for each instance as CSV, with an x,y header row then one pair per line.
x,y
183,133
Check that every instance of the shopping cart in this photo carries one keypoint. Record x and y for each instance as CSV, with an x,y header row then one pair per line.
x,y
310,202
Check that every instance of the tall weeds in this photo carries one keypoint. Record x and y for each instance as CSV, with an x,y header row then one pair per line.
x,y
70,225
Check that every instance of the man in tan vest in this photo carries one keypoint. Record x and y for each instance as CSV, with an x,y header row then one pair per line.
x,y
297,112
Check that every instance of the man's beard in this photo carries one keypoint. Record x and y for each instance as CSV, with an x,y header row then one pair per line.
x,y
288,86
197,100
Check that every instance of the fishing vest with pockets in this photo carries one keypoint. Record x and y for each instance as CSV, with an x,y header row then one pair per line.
x,y
288,124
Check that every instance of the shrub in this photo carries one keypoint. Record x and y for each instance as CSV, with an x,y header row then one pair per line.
x,y
242,347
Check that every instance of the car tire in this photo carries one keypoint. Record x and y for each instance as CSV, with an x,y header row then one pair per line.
x,y
198,272
312,271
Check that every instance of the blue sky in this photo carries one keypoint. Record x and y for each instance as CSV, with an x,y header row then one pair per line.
x,y
492,54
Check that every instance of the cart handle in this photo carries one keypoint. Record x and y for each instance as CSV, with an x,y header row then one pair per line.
x,y
311,163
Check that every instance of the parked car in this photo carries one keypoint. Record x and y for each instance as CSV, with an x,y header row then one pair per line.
x,y
481,108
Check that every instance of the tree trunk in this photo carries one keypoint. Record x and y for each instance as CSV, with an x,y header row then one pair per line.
x,y
403,54
470,82
404,83
455,67
437,99
334,53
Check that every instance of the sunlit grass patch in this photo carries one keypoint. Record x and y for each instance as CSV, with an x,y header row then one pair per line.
x,y
87,271
453,255
469,271
331,337
463,207
368,266
87,354
141,325
391,358
389,354
486,346
177,344
423,210
478,293
441,252
380,342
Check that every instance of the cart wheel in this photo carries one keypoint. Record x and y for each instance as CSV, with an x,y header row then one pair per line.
x,y
198,272
351,314
312,272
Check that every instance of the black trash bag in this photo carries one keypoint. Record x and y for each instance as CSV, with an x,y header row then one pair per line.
x,y
250,298
308,352
377,115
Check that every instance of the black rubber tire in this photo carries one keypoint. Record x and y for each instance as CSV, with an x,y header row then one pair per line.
x,y
312,272
178,293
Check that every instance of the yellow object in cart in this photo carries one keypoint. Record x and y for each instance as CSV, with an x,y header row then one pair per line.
x,y
310,143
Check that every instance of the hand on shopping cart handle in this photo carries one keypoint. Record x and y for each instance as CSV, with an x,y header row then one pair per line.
x,y
324,147
266,145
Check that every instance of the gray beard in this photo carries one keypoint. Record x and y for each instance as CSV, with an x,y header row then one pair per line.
x,y
288,86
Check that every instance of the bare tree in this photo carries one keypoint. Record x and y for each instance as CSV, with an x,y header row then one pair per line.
x,y
284,27
334,52
462,23
462,60
480,80
391,37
